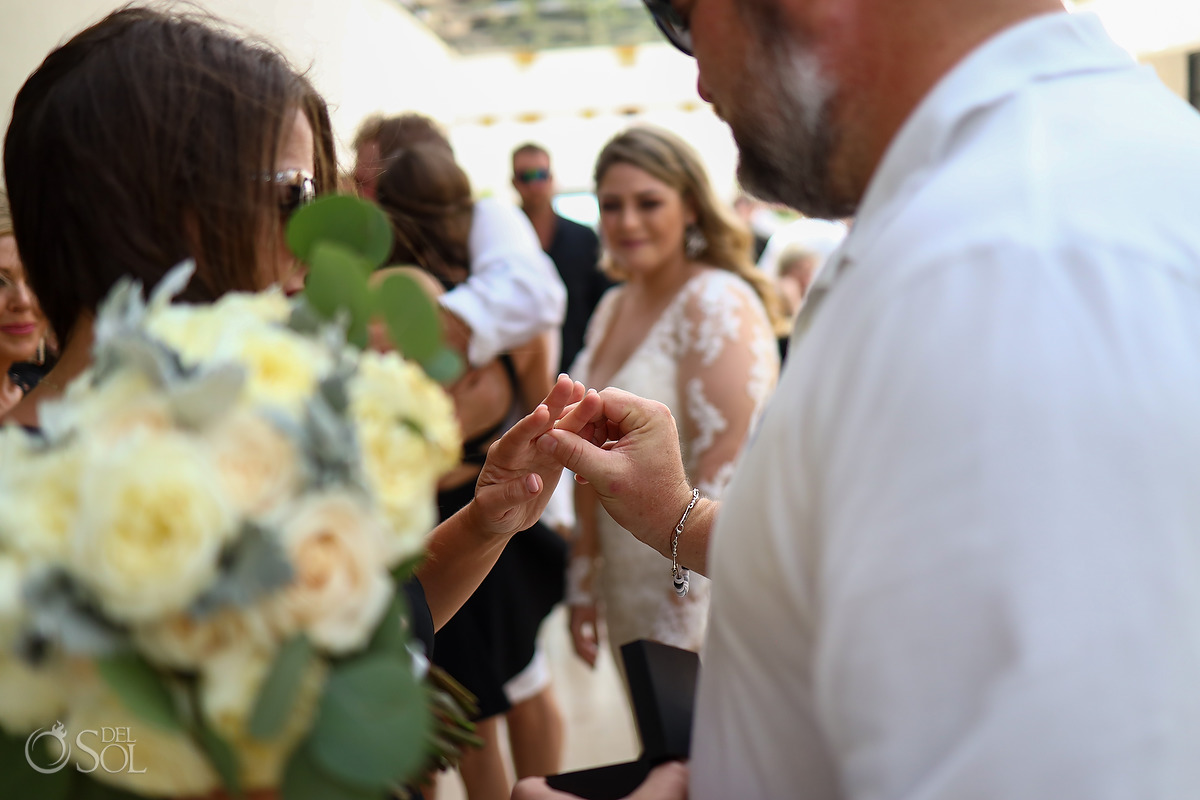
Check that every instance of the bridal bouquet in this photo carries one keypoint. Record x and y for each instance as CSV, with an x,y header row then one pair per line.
x,y
199,551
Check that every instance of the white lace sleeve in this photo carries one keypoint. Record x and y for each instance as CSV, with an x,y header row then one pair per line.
x,y
729,364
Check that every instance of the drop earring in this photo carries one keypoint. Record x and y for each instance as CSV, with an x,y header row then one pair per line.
x,y
694,241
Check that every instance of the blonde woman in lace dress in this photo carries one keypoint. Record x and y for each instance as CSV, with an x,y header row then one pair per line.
x,y
693,326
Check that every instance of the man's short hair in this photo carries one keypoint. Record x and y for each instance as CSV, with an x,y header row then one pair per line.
x,y
531,148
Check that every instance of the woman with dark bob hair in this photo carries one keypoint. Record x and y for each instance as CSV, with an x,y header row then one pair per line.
x,y
153,137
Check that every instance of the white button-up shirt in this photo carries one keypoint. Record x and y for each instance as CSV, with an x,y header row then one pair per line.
x,y
514,292
961,560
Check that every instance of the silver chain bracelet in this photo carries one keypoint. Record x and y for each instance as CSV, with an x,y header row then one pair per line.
x,y
680,576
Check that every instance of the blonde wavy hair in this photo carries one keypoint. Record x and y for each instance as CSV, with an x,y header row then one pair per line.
x,y
673,161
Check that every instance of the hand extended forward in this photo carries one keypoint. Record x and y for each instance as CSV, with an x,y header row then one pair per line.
x,y
627,448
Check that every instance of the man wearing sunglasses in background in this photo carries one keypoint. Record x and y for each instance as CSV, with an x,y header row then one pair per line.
x,y
961,558
574,248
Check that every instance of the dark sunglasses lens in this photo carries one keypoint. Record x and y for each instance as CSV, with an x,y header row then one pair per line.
x,y
671,24
533,175
296,193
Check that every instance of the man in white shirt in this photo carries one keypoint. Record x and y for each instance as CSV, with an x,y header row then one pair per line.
x,y
961,560
513,292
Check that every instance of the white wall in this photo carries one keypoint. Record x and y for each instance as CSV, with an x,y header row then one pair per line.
x,y
371,55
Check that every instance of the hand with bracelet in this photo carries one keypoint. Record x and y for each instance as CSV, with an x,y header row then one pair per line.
x,y
627,449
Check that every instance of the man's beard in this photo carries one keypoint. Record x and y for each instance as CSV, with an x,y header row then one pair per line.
x,y
785,137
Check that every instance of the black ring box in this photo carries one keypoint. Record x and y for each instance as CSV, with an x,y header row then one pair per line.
x,y
662,685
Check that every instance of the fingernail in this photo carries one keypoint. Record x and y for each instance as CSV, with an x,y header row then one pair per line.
x,y
547,444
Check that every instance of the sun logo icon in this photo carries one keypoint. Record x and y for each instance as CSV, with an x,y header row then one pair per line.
x,y
59,732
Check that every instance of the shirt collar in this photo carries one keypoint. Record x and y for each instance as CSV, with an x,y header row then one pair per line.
x,y
1045,46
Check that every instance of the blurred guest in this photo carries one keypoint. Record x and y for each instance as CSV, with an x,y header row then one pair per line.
x,y
492,639
816,236
693,326
22,327
572,247
513,291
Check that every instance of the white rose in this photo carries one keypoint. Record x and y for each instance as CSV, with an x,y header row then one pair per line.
x,y
39,502
409,437
126,401
12,578
155,524
192,331
405,485
269,306
258,466
341,587
31,698
283,368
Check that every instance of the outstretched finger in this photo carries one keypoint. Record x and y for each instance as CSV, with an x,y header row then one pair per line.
x,y
564,394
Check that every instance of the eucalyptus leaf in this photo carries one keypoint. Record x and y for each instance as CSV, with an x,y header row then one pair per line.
x,y
222,757
336,286
373,723
198,402
404,570
303,779
391,635
411,316
254,566
352,222
445,366
279,688
141,688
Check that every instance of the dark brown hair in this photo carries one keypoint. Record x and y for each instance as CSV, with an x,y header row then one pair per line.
x,y
144,140
427,197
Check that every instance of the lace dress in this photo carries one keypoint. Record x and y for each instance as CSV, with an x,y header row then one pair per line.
x,y
713,359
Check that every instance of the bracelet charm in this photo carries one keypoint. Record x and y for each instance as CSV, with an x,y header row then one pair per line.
x,y
680,576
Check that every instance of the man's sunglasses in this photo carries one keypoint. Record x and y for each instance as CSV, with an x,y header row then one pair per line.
x,y
533,175
296,189
673,26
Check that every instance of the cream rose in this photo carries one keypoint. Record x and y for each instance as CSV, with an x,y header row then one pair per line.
x,y
283,368
341,588
155,524
258,466
390,391
13,574
182,641
167,764
39,501
409,437
126,401
31,698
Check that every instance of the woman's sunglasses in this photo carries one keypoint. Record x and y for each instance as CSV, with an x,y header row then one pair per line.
x,y
673,26
296,189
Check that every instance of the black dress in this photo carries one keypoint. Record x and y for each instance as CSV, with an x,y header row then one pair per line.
x,y
493,636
